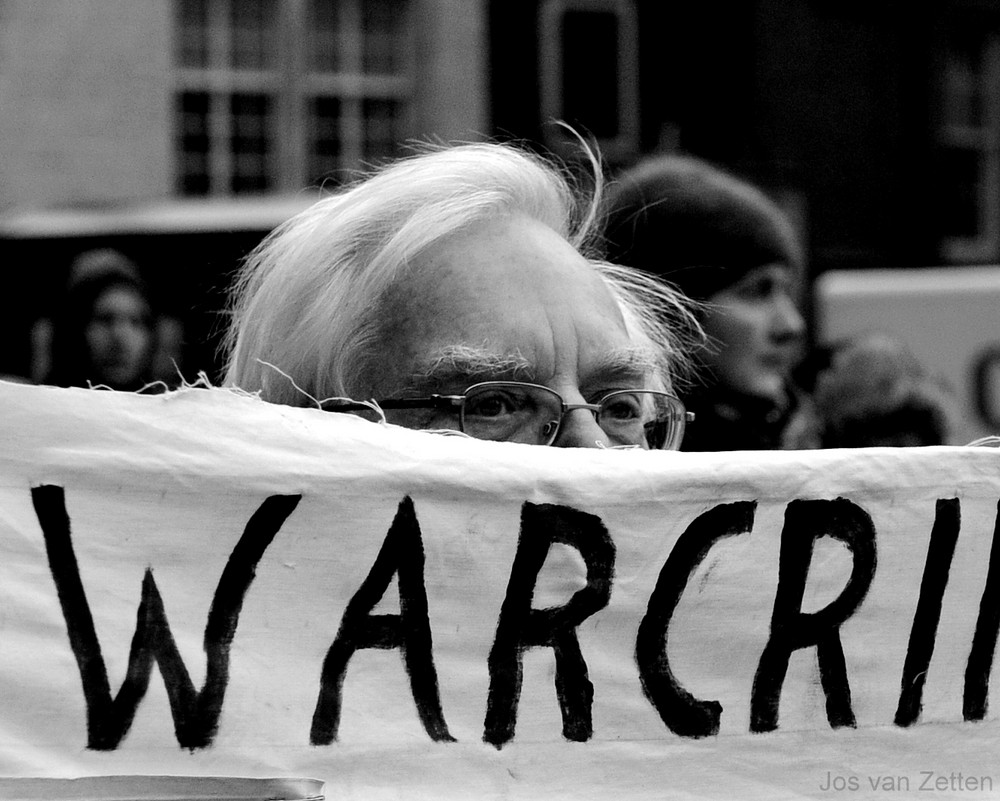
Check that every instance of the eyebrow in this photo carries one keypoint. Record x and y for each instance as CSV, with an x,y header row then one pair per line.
x,y
455,364
466,364
634,362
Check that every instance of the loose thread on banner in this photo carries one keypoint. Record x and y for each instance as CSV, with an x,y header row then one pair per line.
x,y
371,404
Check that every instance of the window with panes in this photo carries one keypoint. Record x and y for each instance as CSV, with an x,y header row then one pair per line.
x,y
279,94
969,136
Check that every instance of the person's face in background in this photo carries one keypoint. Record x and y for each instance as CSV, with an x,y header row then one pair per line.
x,y
755,332
119,337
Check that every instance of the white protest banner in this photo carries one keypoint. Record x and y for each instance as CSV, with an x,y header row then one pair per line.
x,y
203,584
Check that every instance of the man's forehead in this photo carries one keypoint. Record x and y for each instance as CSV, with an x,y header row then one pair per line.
x,y
508,300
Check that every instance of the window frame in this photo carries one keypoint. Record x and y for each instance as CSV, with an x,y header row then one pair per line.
x,y
291,83
551,17
958,85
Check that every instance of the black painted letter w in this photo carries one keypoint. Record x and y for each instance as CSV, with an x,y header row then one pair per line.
x,y
195,713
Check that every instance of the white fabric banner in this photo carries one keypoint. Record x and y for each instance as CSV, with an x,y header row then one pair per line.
x,y
203,584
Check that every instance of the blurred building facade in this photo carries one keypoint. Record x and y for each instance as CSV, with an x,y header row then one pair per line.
x,y
877,120
112,100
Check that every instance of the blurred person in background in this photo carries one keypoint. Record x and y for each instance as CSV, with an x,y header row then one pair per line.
x,y
874,392
725,244
104,330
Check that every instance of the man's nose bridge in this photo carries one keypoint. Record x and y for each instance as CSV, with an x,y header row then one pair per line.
x,y
577,431
594,408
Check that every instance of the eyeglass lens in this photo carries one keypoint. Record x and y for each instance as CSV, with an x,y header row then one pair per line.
x,y
532,414
511,413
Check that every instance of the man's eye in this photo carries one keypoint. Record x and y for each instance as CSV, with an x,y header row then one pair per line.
x,y
623,407
494,404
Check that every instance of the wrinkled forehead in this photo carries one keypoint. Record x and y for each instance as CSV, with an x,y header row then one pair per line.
x,y
515,294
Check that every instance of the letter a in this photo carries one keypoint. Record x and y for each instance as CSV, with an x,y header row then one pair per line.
x,y
402,554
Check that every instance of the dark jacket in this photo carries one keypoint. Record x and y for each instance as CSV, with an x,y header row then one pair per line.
x,y
729,421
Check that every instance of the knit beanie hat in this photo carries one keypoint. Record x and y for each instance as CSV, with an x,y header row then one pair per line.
x,y
695,225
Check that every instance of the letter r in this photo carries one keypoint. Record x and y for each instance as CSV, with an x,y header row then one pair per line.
x,y
521,627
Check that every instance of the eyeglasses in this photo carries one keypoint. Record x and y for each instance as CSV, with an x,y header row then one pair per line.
x,y
512,411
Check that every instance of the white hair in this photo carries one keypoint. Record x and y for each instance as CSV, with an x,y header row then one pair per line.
x,y
305,304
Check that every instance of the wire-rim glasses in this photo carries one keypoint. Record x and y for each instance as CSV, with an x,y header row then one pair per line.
x,y
516,411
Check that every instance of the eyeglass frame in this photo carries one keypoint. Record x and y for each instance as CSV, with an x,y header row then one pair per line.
x,y
457,402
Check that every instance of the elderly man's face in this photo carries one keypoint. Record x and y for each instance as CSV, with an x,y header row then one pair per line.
x,y
506,300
